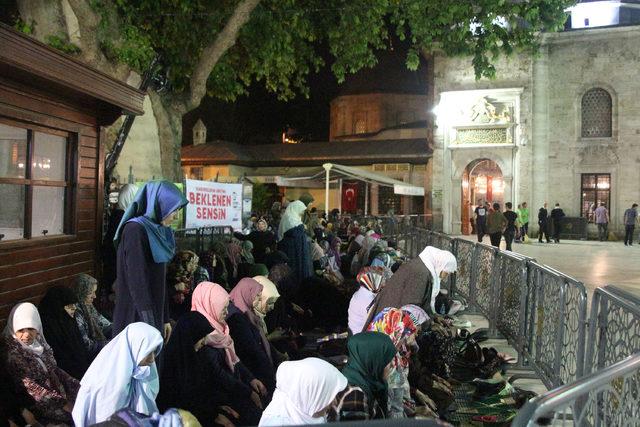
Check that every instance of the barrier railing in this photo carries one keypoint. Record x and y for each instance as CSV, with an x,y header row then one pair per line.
x,y
557,308
605,398
200,239
614,327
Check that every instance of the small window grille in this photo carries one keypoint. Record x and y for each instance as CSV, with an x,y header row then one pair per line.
x,y
596,114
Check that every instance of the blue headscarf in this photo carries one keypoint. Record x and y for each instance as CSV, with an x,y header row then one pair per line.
x,y
153,203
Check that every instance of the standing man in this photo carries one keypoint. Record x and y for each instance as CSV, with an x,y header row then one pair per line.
x,y
480,216
543,219
602,221
630,217
496,225
556,218
523,217
510,231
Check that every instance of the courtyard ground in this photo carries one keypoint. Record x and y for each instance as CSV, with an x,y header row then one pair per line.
x,y
593,263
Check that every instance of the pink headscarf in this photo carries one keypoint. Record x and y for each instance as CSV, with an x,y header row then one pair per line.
x,y
244,293
209,299
243,296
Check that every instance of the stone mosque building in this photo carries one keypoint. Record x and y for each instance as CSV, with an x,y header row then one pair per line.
x,y
559,127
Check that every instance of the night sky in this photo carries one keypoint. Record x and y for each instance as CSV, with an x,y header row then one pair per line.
x,y
260,117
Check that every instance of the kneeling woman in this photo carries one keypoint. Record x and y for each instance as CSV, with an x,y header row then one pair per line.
x,y
186,381
236,384
370,357
251,302
123,375
31,364
305,390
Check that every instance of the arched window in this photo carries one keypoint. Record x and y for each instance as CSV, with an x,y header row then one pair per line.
x,y
596,114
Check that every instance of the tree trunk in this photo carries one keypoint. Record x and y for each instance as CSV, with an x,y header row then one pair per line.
x,y
168,114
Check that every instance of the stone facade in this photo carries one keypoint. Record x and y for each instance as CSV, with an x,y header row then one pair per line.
x,y
376,113
546,155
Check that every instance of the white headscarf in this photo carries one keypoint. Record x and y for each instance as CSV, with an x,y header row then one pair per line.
x,y
126,195
303,388
436,260
115,381
25,315
291,218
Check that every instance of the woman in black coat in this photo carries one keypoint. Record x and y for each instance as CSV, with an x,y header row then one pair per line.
x,y
57,310
186,382
263,239
248,330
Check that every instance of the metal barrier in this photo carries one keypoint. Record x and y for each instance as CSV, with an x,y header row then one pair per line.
x,y
557,308
200,239
513,276
608,397
543,315
614,327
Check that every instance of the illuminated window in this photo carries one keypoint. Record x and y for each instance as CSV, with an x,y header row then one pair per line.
x,y
596,189
36,182
596,114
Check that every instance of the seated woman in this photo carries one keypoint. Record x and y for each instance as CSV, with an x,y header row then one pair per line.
x,y
371,281
181,282
400,327
304,392
31,365
370,357
57,310
123,375
94,327
13,410
251,302
186,381
239,388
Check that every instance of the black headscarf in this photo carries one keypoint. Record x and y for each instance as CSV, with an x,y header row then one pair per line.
x,y
61,331
274,258
184,381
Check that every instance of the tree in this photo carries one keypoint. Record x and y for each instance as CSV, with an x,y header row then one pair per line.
x,y
219,47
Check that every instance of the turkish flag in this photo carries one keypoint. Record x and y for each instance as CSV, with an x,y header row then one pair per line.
x,y
350,197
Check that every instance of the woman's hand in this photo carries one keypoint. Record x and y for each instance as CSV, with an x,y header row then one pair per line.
x,y
277,334
230,411
167,332
256,399
67,407
223,421
299,310
258,387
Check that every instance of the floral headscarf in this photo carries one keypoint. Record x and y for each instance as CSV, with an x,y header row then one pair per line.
x,y
82,287
399,326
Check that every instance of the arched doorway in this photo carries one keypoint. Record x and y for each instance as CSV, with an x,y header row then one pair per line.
x,y
482,180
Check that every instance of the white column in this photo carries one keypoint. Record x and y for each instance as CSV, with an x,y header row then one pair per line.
x,y
366,198
327,167
339,196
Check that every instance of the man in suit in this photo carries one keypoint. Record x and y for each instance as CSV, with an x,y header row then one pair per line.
x,y
543,220
556,218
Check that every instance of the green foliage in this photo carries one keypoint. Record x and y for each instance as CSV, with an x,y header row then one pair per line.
x,y
24,27
261,197
61,43
280,44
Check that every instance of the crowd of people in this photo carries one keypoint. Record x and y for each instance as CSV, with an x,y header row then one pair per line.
x,y
513,225
226,337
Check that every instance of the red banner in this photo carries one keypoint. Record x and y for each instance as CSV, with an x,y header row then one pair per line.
x,y
349,197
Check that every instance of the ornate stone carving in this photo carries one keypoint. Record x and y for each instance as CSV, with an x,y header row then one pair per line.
x,y
598,155
483,136
486,112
